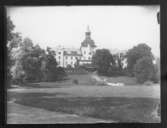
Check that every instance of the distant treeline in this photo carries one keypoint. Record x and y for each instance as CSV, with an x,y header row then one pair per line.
x,y
139,61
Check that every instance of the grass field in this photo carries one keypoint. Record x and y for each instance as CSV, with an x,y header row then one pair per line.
x,y
85,79
118,104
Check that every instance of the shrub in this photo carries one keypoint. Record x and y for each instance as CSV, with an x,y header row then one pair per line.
x,y
61,74
148,82
115,71
75,81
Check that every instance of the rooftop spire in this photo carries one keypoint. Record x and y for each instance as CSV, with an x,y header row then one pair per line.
x,y
88,30
88,40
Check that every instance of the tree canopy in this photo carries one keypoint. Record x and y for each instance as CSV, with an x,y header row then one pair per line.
x,y
28,62
136,53
102,60
144,69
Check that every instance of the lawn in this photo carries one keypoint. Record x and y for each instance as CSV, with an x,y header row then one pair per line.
x,y
84,79
118,104
108,108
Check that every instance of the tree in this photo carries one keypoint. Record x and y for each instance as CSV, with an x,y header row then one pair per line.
x,y
144,69
10,28
60,73
19,56
27,62
156,72
50,68
17,73
102,60
32,62
13,41
136,53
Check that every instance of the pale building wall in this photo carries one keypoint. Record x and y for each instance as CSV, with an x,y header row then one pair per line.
x,y
70,60
125,63
87,52
59,56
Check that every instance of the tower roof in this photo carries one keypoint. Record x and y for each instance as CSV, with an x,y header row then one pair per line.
x,y
88,41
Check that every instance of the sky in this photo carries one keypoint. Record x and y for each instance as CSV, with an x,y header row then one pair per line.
x,y
112,27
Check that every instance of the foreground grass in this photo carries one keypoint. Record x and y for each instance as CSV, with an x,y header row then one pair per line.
x,y
108,108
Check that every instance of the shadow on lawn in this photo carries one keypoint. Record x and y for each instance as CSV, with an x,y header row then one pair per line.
x,y
108,108
43,85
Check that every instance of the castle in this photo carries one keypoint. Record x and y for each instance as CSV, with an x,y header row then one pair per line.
x,y
70,57
67,57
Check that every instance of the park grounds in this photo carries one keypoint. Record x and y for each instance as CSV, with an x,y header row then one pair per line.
x,y
83,102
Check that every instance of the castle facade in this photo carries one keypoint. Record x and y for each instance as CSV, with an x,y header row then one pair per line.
x,y
67,57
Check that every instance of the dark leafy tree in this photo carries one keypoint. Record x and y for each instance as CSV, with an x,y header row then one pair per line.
x,y
10,28
29,63
102,60
136,53
144,69
61,73
50,66
32,62
13,41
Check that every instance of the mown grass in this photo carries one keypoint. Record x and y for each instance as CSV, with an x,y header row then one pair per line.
x,y
109,108
83,79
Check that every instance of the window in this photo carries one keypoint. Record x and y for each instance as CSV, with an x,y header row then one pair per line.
x,y
71,57
66,57
59,57
59,52
84,52
89,53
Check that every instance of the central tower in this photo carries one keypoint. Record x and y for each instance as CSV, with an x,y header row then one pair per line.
x,y
88,32
87,47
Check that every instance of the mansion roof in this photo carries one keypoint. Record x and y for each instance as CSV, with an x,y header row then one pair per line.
x,y
88,41
72,52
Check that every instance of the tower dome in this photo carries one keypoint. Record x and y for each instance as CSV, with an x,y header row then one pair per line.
x,y
88,41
